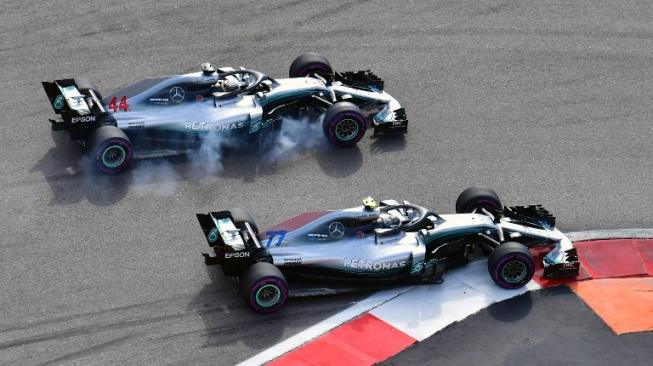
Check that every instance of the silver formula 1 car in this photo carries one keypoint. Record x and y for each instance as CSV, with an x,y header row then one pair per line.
x,y
174,113
372,246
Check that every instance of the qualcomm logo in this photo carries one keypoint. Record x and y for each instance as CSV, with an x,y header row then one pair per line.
x,y
177,94
336,230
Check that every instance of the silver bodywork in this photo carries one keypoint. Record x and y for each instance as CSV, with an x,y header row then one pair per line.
x,y
364,242
377,254
184,103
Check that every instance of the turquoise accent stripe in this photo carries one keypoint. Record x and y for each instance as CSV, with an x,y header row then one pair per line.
x,y
380,273
448,234
289,95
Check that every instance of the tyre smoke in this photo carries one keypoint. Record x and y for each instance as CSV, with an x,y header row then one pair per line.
x,y
287,142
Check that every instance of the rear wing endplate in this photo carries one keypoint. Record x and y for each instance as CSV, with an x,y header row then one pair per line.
x,y
220,230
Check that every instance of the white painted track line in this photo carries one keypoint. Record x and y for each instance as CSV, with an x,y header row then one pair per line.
x,y
424,310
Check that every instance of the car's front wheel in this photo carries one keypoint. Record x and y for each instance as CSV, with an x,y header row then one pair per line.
x,y
511,265
474,199
264,287
344,124
310,64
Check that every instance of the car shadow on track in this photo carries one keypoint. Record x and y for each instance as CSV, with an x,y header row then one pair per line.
x,y
73,178
340,162
64,169
228,320
519,307
388,143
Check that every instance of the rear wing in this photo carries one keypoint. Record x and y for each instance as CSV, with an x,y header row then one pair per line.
x,y
80,109
231,243
220,230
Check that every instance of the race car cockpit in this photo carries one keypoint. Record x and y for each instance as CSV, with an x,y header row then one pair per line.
x,y
401,217
237,82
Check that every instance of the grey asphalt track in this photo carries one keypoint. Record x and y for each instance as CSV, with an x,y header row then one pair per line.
x,y
546,101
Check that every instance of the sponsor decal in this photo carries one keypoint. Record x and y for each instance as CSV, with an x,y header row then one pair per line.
x,y
213,235
275,238
236,255
58,102
135,124
82,119
336,230
160,100
293,261
366,217
213,126
199,98
420,266
177,94
360,235
123,106
372,266
417,267
254,126
267,122
318,236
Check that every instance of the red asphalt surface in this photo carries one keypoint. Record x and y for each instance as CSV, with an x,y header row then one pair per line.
x,y
610,282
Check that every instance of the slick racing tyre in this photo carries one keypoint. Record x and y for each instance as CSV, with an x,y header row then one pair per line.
x,y
344,124
264,287
240,217
309,64
110,149
475,198
511,265
85,84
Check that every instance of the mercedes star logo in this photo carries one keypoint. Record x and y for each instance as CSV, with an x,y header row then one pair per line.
x,y
177,94
336,230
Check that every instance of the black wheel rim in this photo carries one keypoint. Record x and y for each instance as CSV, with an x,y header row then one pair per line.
x,y
347,129
514,271
113,156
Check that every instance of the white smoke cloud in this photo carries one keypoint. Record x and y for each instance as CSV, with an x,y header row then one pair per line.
x,y
295,137
161,176
207,159
154,177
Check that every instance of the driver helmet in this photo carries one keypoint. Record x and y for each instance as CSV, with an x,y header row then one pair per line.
x,y
230,84
207,68
389,221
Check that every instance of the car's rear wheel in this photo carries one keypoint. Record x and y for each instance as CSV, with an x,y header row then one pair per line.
x,y
310,64
511,265
476,198
344,124
264,287
110,149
